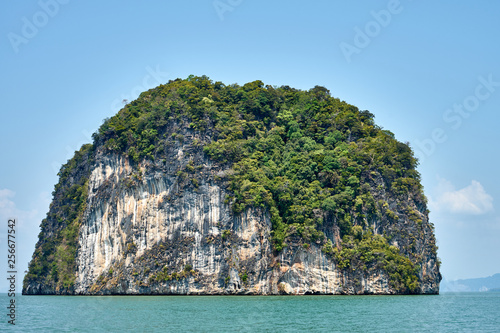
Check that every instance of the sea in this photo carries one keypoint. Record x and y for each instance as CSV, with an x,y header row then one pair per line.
x,y
448,312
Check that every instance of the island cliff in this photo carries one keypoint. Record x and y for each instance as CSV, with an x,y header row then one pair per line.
x,y
198,187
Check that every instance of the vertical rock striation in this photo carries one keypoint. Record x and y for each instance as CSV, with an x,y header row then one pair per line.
x,y
166,225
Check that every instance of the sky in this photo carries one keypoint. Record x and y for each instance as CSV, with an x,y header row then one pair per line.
x,y
428,71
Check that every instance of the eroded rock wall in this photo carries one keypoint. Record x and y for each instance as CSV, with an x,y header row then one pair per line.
x,y
144,233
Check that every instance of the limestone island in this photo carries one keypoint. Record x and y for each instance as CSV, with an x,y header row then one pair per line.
x,y
202,188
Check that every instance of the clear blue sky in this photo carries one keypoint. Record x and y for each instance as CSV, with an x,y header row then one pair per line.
x,y
429,71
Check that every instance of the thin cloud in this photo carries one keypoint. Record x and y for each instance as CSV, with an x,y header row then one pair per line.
x,y
27,229
471,199
8,208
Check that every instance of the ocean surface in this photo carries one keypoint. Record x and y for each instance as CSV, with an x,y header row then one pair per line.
x,y
448,312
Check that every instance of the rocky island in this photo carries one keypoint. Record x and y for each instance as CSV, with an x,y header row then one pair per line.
x,y
202,188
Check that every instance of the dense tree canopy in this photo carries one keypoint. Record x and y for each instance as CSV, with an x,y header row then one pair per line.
x,y
314,162
310,159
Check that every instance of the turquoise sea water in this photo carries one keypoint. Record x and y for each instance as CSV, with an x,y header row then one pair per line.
x,y
474,312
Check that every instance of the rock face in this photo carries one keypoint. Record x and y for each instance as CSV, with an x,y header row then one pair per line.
x,y
152,224
154,228
130,230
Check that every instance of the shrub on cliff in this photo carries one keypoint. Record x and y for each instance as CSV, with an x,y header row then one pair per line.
x,y
314,162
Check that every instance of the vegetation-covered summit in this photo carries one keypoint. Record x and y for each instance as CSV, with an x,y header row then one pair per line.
x,y
325,172
312,160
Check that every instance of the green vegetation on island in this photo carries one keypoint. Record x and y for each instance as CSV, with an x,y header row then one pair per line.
x,y
53,262
318,165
